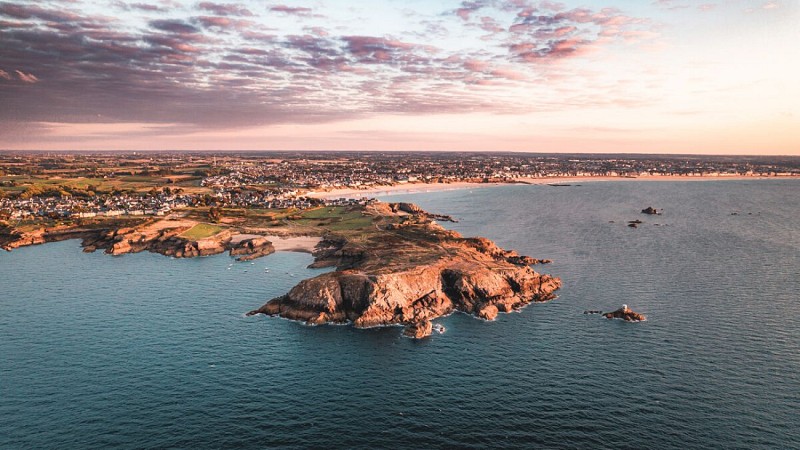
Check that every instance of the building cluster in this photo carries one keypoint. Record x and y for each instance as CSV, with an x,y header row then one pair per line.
x,y
369,170
159,204
280,180
99,206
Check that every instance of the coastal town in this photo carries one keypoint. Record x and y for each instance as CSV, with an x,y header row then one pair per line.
x,y
36,185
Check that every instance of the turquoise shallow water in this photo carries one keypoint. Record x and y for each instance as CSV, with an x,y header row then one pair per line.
x,y
146,351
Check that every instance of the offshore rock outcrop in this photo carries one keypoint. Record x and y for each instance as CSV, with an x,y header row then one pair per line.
x,y
625,314
411,275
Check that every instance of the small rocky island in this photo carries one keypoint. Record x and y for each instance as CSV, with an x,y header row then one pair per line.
x,y
625,314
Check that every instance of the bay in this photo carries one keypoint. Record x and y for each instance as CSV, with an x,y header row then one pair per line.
x,y
147,351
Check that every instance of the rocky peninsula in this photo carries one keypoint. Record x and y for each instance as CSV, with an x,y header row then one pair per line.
x,y
410,273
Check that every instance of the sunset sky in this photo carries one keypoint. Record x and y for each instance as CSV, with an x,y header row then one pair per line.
x,y
643,76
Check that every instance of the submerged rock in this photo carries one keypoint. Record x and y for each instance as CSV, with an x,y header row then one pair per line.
x,y
651,211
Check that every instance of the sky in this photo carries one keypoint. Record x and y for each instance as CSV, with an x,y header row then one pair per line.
x,y
610,76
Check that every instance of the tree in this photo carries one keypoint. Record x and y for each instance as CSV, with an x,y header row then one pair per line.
x,y
215,214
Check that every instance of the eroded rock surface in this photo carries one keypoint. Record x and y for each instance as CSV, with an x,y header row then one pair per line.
x,y
418,330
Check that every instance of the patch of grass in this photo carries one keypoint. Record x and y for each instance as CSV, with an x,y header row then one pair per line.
x,y
201,231
141,179
326,212
83,183
351,224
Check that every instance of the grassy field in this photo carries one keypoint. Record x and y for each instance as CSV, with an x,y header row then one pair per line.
x,y
201,231
325,213
337,218
138,183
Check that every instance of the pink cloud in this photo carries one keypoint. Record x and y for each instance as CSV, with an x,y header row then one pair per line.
x,y
225,9
292,10
552,6
563,31
508,74
26,77
475,65
5,75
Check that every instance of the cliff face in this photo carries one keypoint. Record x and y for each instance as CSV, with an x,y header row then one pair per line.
x,y
166,241
143,237
413,274
11,239
169,242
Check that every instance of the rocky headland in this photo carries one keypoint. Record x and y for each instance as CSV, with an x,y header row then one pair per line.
x,y
162,237
409,273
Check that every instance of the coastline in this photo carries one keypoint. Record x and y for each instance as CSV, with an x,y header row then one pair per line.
x,y
410,188
417,188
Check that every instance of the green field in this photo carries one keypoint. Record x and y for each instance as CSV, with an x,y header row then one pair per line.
x,y
337,218
357,223
201,231
325,213
139,183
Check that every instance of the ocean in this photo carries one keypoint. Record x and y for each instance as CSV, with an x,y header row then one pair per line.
x,y
144,351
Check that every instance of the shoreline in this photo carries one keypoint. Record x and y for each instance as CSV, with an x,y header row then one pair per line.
x,y
420,188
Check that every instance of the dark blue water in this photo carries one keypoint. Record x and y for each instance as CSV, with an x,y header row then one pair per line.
x,y
147,351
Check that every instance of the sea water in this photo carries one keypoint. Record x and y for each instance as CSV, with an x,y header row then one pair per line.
x,y
147,351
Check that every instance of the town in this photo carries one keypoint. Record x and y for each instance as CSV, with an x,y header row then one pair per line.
x,y
93,184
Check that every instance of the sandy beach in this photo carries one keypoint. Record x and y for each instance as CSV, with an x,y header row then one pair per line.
x,y
409,188
415,188
305,244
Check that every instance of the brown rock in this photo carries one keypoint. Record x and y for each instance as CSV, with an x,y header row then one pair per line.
x,y
253,248
488,312
626,314
418,330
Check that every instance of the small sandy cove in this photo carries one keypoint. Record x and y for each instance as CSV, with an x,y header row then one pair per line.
x,y
305,244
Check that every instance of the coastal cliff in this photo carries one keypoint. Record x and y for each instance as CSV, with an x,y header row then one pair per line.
x,y
410,273
159,237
